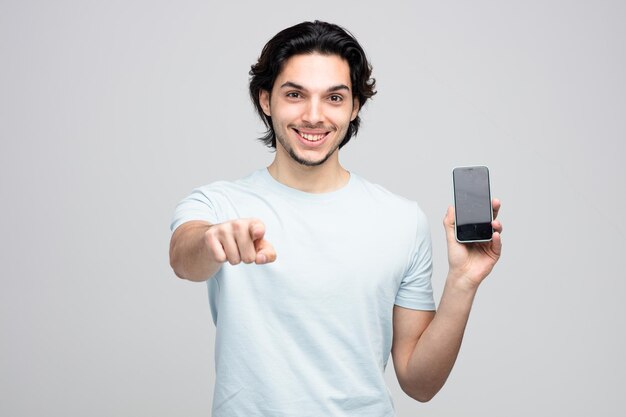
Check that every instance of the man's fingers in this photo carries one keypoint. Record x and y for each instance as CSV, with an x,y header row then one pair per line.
x,y
245,246
497,226
495,204
256,229
496,244
265,252
240,240
215,249
231,249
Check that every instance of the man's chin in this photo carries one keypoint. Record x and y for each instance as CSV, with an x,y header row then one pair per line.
x,y
308,162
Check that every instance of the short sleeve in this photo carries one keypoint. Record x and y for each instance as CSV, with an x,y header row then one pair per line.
x,y
201,204
416,290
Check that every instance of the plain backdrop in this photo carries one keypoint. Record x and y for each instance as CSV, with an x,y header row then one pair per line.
x,y
113,111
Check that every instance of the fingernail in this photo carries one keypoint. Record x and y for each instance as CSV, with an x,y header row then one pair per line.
x,y
262,258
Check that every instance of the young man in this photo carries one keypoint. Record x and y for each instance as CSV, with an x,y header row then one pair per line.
x,y
315,275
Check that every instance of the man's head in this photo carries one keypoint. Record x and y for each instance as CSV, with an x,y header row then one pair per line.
x,y
309,38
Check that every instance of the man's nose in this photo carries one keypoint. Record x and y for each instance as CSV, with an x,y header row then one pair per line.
x,y
313,113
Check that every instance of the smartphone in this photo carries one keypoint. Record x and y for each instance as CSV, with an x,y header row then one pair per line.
x,y
472,204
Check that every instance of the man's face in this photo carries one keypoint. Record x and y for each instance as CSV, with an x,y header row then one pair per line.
x,y
311,107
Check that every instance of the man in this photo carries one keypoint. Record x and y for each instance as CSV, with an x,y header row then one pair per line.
x,y
315,275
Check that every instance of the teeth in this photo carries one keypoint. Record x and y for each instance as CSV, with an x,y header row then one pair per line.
x,y
312,138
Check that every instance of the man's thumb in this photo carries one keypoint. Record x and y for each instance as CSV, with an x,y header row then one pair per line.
x,y
448,222
264,252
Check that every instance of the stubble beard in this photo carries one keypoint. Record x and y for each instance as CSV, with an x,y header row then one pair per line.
x,y
302,161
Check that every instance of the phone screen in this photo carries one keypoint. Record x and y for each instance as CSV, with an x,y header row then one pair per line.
x,y
472,204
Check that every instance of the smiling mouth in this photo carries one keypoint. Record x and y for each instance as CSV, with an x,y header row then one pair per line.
x,y
312,137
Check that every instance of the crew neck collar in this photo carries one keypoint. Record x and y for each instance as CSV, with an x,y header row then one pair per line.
x,y
294,192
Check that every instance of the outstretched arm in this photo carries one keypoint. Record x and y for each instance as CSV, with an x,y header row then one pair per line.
x,y
426,344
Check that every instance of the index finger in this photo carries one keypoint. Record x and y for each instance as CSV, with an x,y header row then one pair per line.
x,y
256,229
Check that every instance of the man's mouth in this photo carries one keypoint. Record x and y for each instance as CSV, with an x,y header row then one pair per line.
x,y
312,137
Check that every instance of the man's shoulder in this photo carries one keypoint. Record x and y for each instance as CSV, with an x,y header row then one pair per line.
x,y
385,200
381,193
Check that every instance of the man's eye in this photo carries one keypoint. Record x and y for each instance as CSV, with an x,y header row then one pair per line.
x,y
293,94
336,98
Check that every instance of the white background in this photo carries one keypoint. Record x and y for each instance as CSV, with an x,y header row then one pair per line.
x,y
112,111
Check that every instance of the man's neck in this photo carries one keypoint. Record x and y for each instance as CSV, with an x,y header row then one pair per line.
x,y
327,177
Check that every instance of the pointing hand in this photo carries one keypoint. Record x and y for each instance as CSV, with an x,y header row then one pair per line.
x,y
238,241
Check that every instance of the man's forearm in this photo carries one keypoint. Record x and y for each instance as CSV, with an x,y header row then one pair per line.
x,y
436,351
189,255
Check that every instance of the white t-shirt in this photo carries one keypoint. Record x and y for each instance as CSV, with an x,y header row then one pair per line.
x,y
310,334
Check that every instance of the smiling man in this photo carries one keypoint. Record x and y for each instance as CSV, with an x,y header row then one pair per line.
x,y
310,116
316,275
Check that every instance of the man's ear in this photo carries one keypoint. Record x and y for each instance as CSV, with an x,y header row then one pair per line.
x,y
355,108
264,100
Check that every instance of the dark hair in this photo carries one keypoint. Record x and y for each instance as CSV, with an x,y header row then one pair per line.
x,y
305,38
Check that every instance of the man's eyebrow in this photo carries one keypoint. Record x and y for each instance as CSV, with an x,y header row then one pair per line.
x,y
338,87
290,84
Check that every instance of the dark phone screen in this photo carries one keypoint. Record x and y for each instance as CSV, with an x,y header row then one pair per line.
x,y
472,201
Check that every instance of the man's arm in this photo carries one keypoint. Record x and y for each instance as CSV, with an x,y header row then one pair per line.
x,y
425,344
198,248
